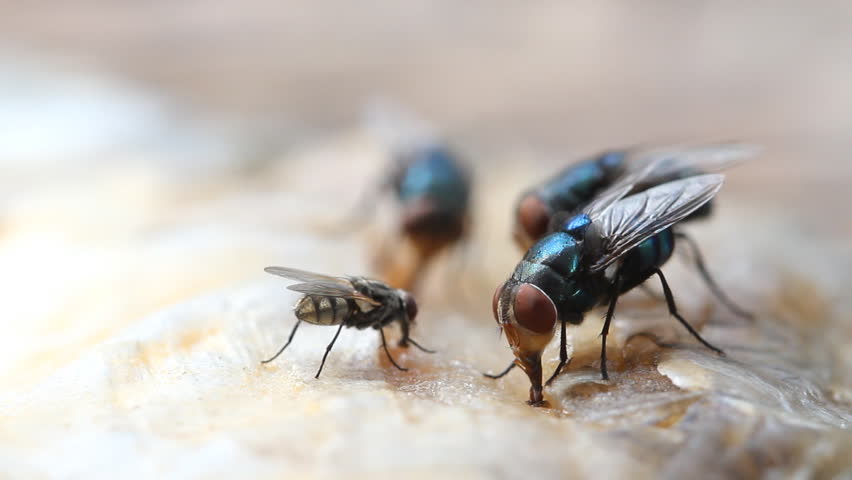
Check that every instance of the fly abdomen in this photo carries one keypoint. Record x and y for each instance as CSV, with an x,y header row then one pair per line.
x,y
640,262
320,310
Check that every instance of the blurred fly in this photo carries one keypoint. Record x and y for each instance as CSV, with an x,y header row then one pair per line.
x,y
545,207
432,190
355,302
611,246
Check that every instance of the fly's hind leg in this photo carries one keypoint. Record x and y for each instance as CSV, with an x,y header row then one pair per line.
x,y
673,310
292,334
708,279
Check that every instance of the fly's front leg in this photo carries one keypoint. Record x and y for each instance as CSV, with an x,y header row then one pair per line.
x,y
406,331
387,352
406,339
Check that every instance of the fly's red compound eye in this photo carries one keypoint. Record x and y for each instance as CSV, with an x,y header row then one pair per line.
x,y
534,310
533,216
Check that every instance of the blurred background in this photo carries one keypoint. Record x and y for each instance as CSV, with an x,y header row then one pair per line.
x,y
121,120
561,78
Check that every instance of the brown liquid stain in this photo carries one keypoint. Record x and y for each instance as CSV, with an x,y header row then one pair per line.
x,y
677,411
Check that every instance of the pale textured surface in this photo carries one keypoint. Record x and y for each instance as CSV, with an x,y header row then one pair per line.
x,y
136,313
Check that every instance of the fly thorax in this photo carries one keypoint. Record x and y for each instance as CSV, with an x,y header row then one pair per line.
x,y
559,251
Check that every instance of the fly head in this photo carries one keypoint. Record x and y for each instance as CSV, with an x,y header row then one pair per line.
x,y
528,316
532,219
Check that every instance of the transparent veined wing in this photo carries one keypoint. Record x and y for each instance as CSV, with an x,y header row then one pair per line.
x,y
638,217
331,290
671,163
305,276
319,284
619,189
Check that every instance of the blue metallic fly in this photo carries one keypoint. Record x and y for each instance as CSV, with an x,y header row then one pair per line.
x,y
433,191
612,245
432,187
545,207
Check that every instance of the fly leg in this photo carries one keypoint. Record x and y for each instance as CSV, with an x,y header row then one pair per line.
x,y
673,310
614,292
420,347
503,373
403,341
406,339
292,334
563,355
328,349
711,284
385,346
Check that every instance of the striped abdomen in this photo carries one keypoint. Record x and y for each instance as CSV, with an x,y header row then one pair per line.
x,y
321,310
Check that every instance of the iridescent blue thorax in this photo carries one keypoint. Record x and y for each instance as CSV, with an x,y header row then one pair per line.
x,y
577,184
433,173
558,251
555,265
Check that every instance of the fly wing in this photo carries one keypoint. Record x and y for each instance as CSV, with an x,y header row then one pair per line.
x,y
672,163
638,217
619,189
331,290
319,284
305,276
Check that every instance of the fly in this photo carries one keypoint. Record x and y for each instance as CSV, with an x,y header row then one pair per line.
x,y
612,245
356,302
545,207
432,190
